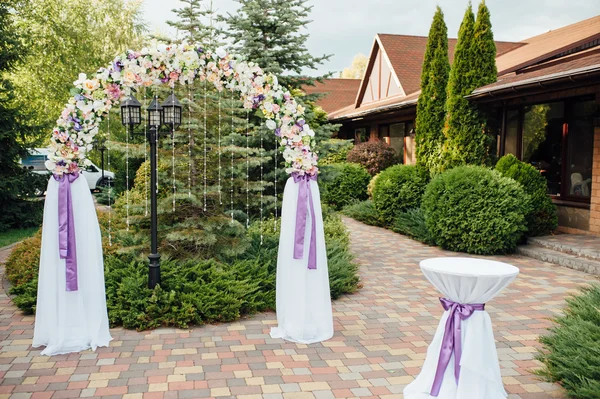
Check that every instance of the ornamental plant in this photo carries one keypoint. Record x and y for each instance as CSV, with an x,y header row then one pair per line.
x,y
93,97
431,110
398,189
476,210
375,156
343,184
570,352
542,218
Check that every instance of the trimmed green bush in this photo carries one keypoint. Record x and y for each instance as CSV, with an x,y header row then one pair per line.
x,y
375,156
364,212
334,151
412,223
343,184
571,352
476,210
192,291
399,189
542,218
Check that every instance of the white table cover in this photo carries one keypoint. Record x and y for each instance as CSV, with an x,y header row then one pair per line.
x,y
465,281
77,320
304,313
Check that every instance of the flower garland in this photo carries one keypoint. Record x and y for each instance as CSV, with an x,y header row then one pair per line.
x,y
92,98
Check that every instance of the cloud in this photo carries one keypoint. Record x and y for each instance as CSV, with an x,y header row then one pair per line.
x,y
345,28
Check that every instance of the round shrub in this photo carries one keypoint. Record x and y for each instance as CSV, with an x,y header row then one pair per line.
x,y
375,156
334,151
542,218
476,210
399,189
344,184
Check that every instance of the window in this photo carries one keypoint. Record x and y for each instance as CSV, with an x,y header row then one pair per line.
x,y
360,135
542,141
512,132
557,139
580,141
397,138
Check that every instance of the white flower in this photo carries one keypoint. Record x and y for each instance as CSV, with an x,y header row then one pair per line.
x,y
268,106
99,105
50,165
271,124
87,162
221,53
308,131
85,107
82,78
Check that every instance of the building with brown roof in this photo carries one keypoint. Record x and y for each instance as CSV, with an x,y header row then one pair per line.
x,y
335,93
546,99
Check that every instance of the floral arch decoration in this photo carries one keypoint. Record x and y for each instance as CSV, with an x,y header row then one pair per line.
x,y
160,64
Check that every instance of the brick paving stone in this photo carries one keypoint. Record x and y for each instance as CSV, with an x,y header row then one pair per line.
x,y
381,337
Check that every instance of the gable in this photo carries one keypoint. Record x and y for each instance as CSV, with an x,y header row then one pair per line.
x,y
380,80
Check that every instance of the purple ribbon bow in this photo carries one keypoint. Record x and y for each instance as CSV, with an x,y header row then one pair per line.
x,y
452,340
304,199
66,229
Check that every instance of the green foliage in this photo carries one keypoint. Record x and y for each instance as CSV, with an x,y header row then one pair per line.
x,y
412,223
467,140
189,22
483,49
334,151
429,122
375,156
364,212
476,210
343,184
64,38
399,189
542,218
192,291
571,351
17,186
12,236
268,32
19,264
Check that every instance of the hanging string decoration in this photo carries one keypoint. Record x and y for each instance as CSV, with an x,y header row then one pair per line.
x,y
190,160
171,64
219,150
232,144
145,163
173,154
110,187
247,168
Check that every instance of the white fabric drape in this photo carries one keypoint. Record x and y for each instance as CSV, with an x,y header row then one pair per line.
x,y
304,312
465,281
78,320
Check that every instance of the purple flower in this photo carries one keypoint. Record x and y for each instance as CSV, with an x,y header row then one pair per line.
x,y
199,50
278,132
79,97
131,55
301,122
118,66
61,163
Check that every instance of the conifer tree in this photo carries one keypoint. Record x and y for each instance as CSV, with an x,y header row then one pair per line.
x,y
268,32
467,141
189,22
432,101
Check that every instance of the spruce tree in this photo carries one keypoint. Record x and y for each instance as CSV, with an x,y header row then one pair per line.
x,y
189,22
432,101
267,32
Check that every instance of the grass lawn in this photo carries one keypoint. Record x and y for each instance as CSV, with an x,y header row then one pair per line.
x,y
12,236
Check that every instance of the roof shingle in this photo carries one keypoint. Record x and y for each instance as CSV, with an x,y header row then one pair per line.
x,y
339,93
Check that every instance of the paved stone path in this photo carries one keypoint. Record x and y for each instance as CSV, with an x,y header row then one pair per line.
x,y
381,335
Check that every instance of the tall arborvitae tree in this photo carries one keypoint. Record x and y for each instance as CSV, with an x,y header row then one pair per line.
x,y
483,49
268,32
467,141
15,182
432,101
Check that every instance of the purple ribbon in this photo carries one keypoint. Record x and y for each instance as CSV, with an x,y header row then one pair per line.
x,y
66,228
452,340
304,199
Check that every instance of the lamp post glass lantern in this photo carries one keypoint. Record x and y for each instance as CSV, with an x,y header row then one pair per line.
x,y
168,115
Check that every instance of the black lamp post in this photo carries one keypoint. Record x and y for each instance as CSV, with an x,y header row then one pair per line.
x,y
169,116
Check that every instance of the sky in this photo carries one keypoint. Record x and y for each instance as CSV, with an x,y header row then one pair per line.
x,y
345,28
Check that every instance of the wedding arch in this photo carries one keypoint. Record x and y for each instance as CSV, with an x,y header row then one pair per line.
x,y
303,302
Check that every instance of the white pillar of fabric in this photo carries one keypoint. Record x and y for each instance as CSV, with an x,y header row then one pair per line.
x,y
73,321
304,312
